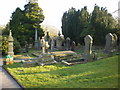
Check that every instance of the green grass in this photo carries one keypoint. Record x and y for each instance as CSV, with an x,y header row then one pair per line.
x,y
97,74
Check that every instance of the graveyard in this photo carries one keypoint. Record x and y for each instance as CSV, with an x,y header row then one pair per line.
x,y
98,74
64,66
83,54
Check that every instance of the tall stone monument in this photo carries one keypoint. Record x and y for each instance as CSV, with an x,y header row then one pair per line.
x,y
109,42
36,39
10,44
88,47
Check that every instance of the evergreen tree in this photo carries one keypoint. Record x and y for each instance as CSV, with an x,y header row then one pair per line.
x,y
78,24
24,22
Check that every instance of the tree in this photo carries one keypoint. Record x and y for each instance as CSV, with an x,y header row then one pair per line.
x,y
24,22
78,24
103,22
4,46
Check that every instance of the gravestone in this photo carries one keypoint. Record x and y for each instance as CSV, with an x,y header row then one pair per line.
x,y
10,44
59,41
47,38
73,46
26,46
46,47
52,44
67,43
115,40
43,45
88,47
109,42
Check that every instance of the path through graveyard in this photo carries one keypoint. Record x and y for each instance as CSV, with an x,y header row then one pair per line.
x,y
6,81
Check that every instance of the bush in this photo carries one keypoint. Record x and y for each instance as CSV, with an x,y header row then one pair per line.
x,y
4,46
17,47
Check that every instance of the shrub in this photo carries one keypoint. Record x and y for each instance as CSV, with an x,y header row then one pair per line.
x,y
17,47
4,46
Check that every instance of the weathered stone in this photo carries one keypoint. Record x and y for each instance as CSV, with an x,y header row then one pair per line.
x,y
115,39
73,46
109,42
59,41
52,44
10,44
88,47
26,46
67,43
46,46
43,45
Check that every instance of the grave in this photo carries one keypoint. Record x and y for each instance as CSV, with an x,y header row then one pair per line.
x,y
67,43
115,40
109,43
45,59
59,41
88,47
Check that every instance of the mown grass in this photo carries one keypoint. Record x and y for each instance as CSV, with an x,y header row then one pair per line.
x,y
97,74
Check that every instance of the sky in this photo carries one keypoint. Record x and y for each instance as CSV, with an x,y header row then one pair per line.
x,y
53,9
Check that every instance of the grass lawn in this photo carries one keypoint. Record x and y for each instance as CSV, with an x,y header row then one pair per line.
x,y
99,74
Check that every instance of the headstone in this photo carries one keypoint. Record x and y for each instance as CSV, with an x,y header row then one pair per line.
x,y
88,47
109,42
10,44
115,39
73,46
67,43
46,46
52,44
59,41
43,45
26,46
47,37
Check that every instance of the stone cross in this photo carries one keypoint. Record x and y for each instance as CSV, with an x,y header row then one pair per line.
x,y
88,46
10,44
109,42
67,43
43,45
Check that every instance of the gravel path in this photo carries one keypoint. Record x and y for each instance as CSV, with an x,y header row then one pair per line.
x,y
6,81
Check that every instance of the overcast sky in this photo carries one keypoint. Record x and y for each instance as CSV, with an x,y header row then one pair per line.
x,y
54,9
